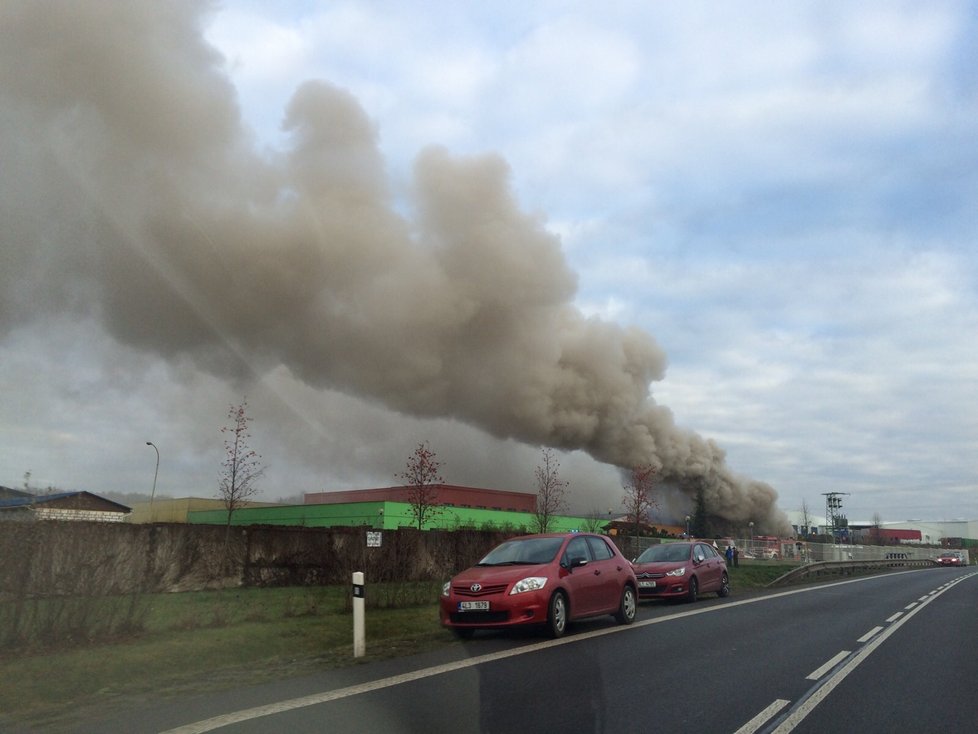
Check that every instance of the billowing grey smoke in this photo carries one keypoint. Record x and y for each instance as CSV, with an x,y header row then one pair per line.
x,y
130,189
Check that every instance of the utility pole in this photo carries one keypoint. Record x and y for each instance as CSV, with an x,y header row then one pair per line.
x,y
156,473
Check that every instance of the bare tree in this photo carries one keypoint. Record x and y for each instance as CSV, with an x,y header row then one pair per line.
x,y
550,490
805,528
877,529
639,500
37,491
422,479
595,521
241,467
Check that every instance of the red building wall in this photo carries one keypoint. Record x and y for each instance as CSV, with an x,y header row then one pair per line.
x,y
896,534
448,494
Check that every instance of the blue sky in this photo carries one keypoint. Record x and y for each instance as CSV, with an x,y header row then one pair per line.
x,y
782,195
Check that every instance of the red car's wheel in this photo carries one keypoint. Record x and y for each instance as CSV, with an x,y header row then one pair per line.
x,y
628,607
724,585
693,592
557,615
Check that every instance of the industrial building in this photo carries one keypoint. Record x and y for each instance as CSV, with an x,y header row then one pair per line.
x,y
18,505
178,509
952,533
450,495
389,508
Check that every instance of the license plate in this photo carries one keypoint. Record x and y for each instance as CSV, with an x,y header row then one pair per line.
x,y
646,584
473,606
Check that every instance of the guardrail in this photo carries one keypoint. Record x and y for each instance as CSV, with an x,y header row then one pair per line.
x,y
848,568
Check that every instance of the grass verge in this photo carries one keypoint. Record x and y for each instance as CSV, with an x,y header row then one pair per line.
x,y
212,640
752,576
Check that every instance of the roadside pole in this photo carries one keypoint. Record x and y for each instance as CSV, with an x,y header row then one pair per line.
x,y
359,631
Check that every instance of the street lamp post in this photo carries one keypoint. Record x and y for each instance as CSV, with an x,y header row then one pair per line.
x,y
687,526
751,525
155,474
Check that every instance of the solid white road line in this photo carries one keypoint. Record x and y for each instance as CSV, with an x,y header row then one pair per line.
x,y
819,672
762,718
870,635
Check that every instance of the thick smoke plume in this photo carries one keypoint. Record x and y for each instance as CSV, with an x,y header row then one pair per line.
x,y
131,190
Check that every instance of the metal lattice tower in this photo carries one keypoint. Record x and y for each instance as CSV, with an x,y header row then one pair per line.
x,y
833,512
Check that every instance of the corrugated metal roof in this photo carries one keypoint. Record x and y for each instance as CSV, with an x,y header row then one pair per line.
x,y
41,499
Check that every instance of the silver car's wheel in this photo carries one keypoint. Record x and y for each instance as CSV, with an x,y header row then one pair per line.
x,y
557,615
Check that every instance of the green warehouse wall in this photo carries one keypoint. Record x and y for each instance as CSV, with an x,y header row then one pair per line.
x,y
382,516
313,516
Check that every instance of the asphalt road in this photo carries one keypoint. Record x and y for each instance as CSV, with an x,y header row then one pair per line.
x,y
887,653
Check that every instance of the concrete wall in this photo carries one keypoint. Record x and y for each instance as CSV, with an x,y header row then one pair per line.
x,y
64,513
86,558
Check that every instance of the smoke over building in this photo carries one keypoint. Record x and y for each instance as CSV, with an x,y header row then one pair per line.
x,y
132,190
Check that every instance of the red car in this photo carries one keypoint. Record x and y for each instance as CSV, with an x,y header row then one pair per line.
x,y
950,559
685,569
541,580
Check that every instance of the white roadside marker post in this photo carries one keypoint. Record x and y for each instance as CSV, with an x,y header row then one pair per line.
x,y
359,631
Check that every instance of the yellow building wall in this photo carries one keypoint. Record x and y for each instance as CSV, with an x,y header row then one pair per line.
x,y
176,509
